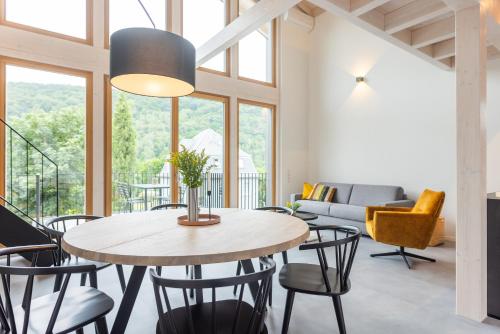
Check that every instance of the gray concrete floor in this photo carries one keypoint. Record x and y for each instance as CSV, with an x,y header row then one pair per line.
x,y
386,297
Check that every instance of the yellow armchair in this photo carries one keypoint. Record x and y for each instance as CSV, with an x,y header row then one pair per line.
x,y
406,227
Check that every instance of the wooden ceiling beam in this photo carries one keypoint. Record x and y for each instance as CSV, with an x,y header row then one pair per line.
x,y
360,7
414,13
461,4
306,8
444,49
373,25
433,33
262,12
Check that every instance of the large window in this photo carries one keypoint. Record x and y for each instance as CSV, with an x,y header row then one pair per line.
x,y
145,131
202,127
256,154
141,135
202,19
129,13
62,17
256,51
48,113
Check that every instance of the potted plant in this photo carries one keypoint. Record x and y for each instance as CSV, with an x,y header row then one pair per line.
x,y
293,206
191,165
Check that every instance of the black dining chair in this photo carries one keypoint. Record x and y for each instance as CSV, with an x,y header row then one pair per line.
x,y
169,206
166,207
320,279
64,311
216,316
56,228
277,209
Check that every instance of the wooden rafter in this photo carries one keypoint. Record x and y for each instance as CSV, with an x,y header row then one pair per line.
x,y
262,12
414,13
360,7
375,21
433,33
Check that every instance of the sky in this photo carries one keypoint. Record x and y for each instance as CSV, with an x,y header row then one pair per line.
x,y
65,16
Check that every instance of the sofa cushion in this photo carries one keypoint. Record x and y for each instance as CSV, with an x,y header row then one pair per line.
x,y
347,211
342,193
319,208
366,195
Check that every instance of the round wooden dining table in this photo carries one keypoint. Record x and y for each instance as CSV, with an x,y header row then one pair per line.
x,y
154,238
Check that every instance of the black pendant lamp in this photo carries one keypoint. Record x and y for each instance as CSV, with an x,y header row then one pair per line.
x,y
152,62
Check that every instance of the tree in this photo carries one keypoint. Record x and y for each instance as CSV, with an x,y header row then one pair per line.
x,y
124,137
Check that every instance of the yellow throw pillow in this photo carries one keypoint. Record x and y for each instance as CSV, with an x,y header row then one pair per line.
x,y
306,191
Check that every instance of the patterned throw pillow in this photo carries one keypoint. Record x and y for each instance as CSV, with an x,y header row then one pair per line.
x,y
322,193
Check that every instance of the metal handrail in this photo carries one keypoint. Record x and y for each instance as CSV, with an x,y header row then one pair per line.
x,y
27,141
43,156
26,215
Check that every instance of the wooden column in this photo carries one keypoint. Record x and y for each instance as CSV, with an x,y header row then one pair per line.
x,y
471,162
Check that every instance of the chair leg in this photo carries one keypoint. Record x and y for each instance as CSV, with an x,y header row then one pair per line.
x,y
420,257
101,327
405,259
83,279
79,331
191,291
337,304
238,273
290,296
187,271
121,277
285,257
158,270
271,293
58,283
404,254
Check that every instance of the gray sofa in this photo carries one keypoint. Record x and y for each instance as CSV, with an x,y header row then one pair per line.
x,y
350,202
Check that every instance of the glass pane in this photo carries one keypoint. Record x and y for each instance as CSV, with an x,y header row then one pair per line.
x,y
201,127
141,146
202,19
255,161
61,16
129,13
255,51
48,109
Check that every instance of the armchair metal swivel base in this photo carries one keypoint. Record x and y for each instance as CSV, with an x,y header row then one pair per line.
x,y
404,254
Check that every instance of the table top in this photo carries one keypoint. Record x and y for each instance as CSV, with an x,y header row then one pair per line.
x,y
154,238
150,186
305,216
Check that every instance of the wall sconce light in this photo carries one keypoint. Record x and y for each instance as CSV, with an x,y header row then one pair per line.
x,y
360,79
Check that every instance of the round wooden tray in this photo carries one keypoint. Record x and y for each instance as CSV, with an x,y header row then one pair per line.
x,y
203,220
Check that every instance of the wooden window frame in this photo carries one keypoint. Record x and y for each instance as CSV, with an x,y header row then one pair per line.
x,y
89,138
274,34
227,133
89,38
168,9
174,140
273,109
227,72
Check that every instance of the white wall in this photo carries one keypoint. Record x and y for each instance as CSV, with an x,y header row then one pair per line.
x,y
397,129
493,126
293,111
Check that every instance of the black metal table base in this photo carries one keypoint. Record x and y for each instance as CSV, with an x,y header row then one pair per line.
x,y
128,301
135,282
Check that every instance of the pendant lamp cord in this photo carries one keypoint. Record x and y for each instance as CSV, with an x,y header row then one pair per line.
x,y
146,11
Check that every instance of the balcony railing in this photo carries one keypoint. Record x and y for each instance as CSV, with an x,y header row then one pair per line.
x,y
253,191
